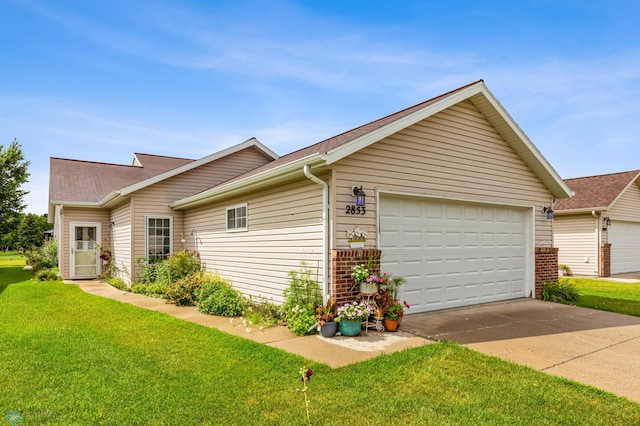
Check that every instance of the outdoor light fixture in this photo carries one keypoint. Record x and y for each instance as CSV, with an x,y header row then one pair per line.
x,y
548,211
606,223
360,195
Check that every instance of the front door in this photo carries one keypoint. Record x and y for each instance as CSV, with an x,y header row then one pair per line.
x,y
85,251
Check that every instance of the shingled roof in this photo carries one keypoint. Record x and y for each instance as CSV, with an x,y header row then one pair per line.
x,y
76,181
596,192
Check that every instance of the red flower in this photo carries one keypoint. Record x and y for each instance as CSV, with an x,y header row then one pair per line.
x,y
306,376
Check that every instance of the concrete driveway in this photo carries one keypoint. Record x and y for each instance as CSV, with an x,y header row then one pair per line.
x,y
598,348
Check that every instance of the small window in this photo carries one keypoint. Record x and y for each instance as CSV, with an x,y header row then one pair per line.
x,y
237,218
159,237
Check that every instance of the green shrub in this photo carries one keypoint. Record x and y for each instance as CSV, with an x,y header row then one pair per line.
x,y
185,292
559,292
301,321
210,285
225,302
48,274
262,313
116,282
46,257
177,266
150,289
301,298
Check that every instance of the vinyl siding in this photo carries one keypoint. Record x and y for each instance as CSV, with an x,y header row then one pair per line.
x,y
576,238
627,207
154,200
284,229
78,215
120,239
454,154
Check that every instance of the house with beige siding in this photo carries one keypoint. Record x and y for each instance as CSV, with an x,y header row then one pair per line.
x,y
125,208
597,232
452,193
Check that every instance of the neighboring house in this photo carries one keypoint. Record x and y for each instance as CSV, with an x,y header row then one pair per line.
x,y
597,232
454,202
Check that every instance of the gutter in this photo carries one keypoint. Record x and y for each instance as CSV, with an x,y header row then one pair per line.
x,y
325,233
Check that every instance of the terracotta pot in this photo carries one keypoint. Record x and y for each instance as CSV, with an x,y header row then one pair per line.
x,y
390,325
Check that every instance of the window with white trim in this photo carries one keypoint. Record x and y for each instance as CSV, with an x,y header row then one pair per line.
x,y
237,218
159,239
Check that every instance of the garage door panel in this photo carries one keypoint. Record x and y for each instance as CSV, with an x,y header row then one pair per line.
x,y
455,254
625,247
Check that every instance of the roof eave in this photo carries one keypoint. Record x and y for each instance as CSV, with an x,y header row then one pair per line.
x,y
579,211
78,204
252,182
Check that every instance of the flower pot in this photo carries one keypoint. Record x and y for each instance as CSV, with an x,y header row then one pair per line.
x,y
329,329
390,325
368,288
350,327
356,243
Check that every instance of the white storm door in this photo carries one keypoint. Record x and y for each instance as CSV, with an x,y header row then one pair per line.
x,y
85,251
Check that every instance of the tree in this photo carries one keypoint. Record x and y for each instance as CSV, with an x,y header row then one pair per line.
x,y
13,174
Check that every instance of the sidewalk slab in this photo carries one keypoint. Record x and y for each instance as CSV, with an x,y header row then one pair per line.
x,y
335,351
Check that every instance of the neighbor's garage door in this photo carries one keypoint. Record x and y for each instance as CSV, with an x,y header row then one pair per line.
x,y
625,247
453,254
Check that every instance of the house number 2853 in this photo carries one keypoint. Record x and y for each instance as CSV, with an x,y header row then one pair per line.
x,y
351,209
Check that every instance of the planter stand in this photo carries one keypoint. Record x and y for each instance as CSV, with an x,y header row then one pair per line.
x,y
370,301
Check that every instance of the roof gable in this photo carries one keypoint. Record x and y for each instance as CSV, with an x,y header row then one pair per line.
x,y
340,146
598,192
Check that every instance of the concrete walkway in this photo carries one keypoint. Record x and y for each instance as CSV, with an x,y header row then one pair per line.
x,y
336,351
597,348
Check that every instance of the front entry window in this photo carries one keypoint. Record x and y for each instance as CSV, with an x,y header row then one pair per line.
x,y
159,240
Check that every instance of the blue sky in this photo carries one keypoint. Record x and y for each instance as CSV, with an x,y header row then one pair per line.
x,y
100,80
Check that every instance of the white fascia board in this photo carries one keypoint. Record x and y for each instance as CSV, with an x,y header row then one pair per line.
x,y
363,141
248,183
579,211
220,154
78,204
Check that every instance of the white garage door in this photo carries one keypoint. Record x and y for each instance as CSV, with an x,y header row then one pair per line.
x,y
625,247
453,254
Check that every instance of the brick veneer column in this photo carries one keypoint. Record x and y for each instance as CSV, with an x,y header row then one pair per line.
x,y
605,260
546,267
342,262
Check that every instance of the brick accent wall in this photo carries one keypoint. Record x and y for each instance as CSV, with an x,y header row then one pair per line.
x,y
546,267
342,262
605,260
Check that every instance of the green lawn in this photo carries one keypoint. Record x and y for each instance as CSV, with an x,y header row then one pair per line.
x,y
611,296
68,357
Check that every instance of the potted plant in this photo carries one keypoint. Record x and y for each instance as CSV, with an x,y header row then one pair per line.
x,y
393,313
324,316
368,281
351,316
357,236
563,270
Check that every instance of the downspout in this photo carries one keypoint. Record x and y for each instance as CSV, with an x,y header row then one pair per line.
x,y
598,240
325,231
